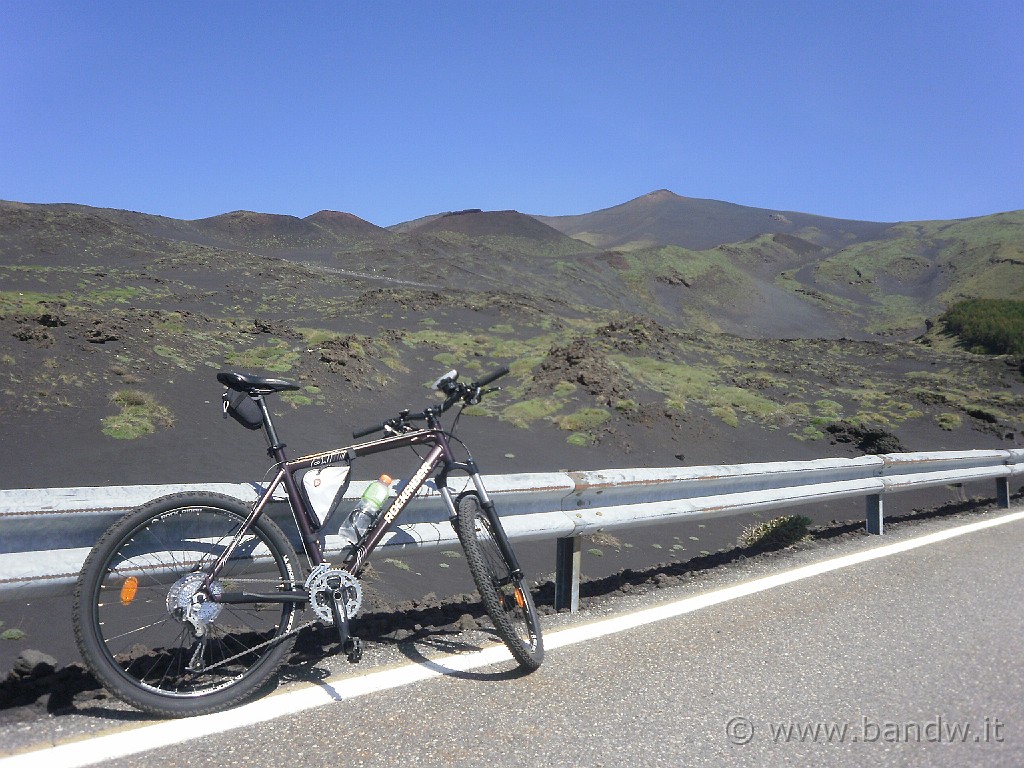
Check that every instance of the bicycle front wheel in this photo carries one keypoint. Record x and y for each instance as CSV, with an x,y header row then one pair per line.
x,y
504,594
152,631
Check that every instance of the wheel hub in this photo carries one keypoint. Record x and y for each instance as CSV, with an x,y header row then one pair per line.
x,y
187,601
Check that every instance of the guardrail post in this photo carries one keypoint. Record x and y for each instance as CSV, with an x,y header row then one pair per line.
x,y
1003,491
874,513
567,573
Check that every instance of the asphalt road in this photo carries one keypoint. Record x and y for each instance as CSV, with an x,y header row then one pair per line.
x,y
907,659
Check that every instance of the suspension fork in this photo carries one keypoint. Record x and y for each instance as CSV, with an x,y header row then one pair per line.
x,y
500,537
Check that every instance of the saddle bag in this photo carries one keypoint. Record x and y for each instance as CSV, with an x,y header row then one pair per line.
x,y
243,409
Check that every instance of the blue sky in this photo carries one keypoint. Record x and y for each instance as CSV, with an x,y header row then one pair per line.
x,y
391,111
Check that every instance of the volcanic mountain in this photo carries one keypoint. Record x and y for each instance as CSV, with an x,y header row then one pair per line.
x,y
665,218
717,332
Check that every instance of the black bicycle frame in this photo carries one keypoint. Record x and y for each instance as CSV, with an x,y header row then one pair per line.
x,y
440,455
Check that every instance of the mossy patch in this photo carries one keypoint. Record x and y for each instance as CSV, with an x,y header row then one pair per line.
x,y
525,412
141,414
583,419
278,357
580,439
171,356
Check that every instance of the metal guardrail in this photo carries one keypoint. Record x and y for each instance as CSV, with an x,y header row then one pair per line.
x,y
45,534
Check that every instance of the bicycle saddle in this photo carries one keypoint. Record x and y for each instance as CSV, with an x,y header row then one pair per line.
x,y
244,382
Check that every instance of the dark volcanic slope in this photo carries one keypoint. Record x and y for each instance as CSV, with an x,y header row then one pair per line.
x,y
497,224
789,274
665,218
59,225
346,226
113,324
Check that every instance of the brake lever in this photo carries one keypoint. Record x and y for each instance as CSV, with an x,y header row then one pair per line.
x,y
397,425
478,394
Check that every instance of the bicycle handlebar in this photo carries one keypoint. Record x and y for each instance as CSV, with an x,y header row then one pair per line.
x,y
357,433
468,393
493,376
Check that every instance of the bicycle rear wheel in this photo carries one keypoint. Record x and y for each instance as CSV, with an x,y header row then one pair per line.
x,y
505,596
150,633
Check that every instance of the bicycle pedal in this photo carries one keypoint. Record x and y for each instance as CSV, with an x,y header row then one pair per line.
x,y
353,648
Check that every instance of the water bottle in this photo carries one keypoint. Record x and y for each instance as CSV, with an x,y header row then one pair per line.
x,y
366,511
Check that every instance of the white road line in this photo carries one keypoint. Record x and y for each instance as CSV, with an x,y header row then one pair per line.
x,y
690,604
129,742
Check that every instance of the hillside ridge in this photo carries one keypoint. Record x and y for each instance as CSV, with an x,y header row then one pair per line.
x,y
778,345
665,218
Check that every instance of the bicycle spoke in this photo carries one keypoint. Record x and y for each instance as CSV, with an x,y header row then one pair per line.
x,y
149,633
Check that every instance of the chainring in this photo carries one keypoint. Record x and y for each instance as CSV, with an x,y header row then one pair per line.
x,y
324,579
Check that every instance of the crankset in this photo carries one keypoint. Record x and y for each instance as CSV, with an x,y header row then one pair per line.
x,y
336,597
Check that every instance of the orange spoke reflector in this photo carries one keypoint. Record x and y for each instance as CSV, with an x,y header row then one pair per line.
x,y
129,589
520,599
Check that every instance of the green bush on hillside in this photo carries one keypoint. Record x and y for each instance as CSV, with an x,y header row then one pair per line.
x,y
991,326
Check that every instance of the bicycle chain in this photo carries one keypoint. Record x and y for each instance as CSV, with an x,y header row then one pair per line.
x,y
353,609
266,643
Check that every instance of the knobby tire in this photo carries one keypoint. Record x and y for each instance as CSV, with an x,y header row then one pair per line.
x,y
127,605
506,597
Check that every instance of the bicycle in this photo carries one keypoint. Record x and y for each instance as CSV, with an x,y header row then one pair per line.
x,y
190,603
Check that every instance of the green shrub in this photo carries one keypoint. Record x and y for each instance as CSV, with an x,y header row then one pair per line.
x,y
989,326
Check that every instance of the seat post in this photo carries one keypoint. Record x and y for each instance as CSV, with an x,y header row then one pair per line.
x,y
275,444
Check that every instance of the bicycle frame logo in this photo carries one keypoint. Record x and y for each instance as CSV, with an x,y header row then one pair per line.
x,y
414,484
358,556
326,459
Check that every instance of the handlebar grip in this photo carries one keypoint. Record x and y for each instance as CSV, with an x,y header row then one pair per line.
x,y
367,430
492,376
